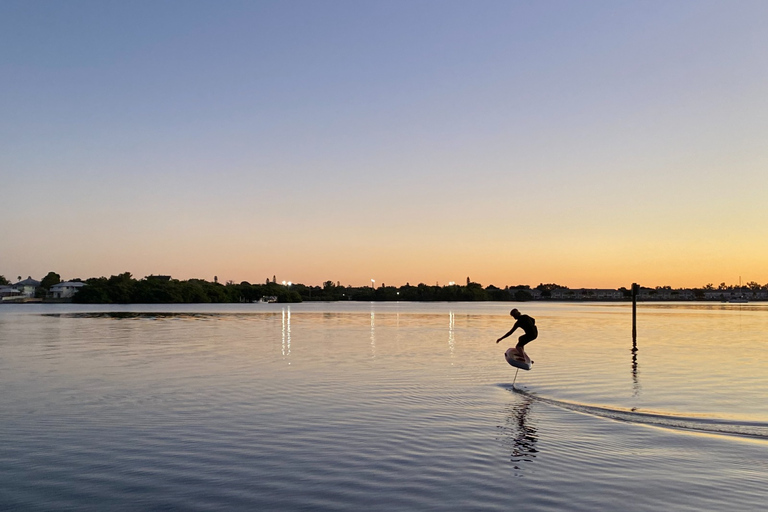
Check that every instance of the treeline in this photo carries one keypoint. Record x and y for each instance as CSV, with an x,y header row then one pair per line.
x,y
423,292
124,289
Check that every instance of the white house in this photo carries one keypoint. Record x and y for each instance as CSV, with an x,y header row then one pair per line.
x,y
27,287
65,290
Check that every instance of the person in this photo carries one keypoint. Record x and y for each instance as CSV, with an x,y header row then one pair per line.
x,y
528,325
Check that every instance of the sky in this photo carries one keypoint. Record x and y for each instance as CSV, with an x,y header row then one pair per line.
x,y
588,144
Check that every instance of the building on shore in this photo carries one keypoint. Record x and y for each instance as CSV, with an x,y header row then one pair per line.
x,y
9,293
65,290
28,287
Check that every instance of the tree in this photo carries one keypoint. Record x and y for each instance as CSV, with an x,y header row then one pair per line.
x,y
121,287
4,281
50,279
522,295
550,287
95,292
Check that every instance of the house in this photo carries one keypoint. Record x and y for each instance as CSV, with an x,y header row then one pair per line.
x,y
65,290
157,278
562,294
717,295
608,294
27,287
8,293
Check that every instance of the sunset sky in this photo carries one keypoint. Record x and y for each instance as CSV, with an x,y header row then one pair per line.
x,y
590,144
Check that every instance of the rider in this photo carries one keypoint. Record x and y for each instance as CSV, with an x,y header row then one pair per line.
x,y
528,325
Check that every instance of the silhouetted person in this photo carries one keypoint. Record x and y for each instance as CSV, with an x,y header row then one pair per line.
x,y
528,325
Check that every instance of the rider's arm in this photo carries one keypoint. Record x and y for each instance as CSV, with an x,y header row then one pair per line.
x,y
509,333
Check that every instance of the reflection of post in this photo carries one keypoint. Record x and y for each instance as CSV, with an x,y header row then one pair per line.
x,y
636,383
450,332
635,380
287,331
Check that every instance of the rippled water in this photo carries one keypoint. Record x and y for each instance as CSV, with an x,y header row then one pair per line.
x,y
383,407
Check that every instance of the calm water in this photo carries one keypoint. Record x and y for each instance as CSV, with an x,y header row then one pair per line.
x,y
382,407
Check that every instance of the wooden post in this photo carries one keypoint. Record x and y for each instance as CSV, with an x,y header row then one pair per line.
x,y
635,289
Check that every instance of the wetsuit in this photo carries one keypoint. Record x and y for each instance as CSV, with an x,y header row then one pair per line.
x,y
528,325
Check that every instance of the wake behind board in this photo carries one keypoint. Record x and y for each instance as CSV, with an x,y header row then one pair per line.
x,y
516,360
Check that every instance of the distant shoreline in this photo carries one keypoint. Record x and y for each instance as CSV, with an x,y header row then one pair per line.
x,y
557,301
125,289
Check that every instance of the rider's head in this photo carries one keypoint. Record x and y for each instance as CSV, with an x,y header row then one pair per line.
x,y
515,313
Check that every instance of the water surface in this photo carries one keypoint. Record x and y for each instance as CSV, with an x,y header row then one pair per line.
x,y
385,406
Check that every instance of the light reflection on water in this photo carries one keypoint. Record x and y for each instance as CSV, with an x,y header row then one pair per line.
x,y
451,341
344,406
373,333
286,333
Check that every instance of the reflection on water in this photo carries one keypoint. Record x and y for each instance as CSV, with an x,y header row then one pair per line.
x,y
373,333
286,332
520,435
635,380
122,315
193,408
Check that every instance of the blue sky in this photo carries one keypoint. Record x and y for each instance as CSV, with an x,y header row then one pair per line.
x,y
585,143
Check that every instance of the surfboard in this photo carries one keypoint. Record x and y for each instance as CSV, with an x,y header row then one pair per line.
x,y
516,360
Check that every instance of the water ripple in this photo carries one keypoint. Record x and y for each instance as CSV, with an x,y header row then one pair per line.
x,y
755,429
